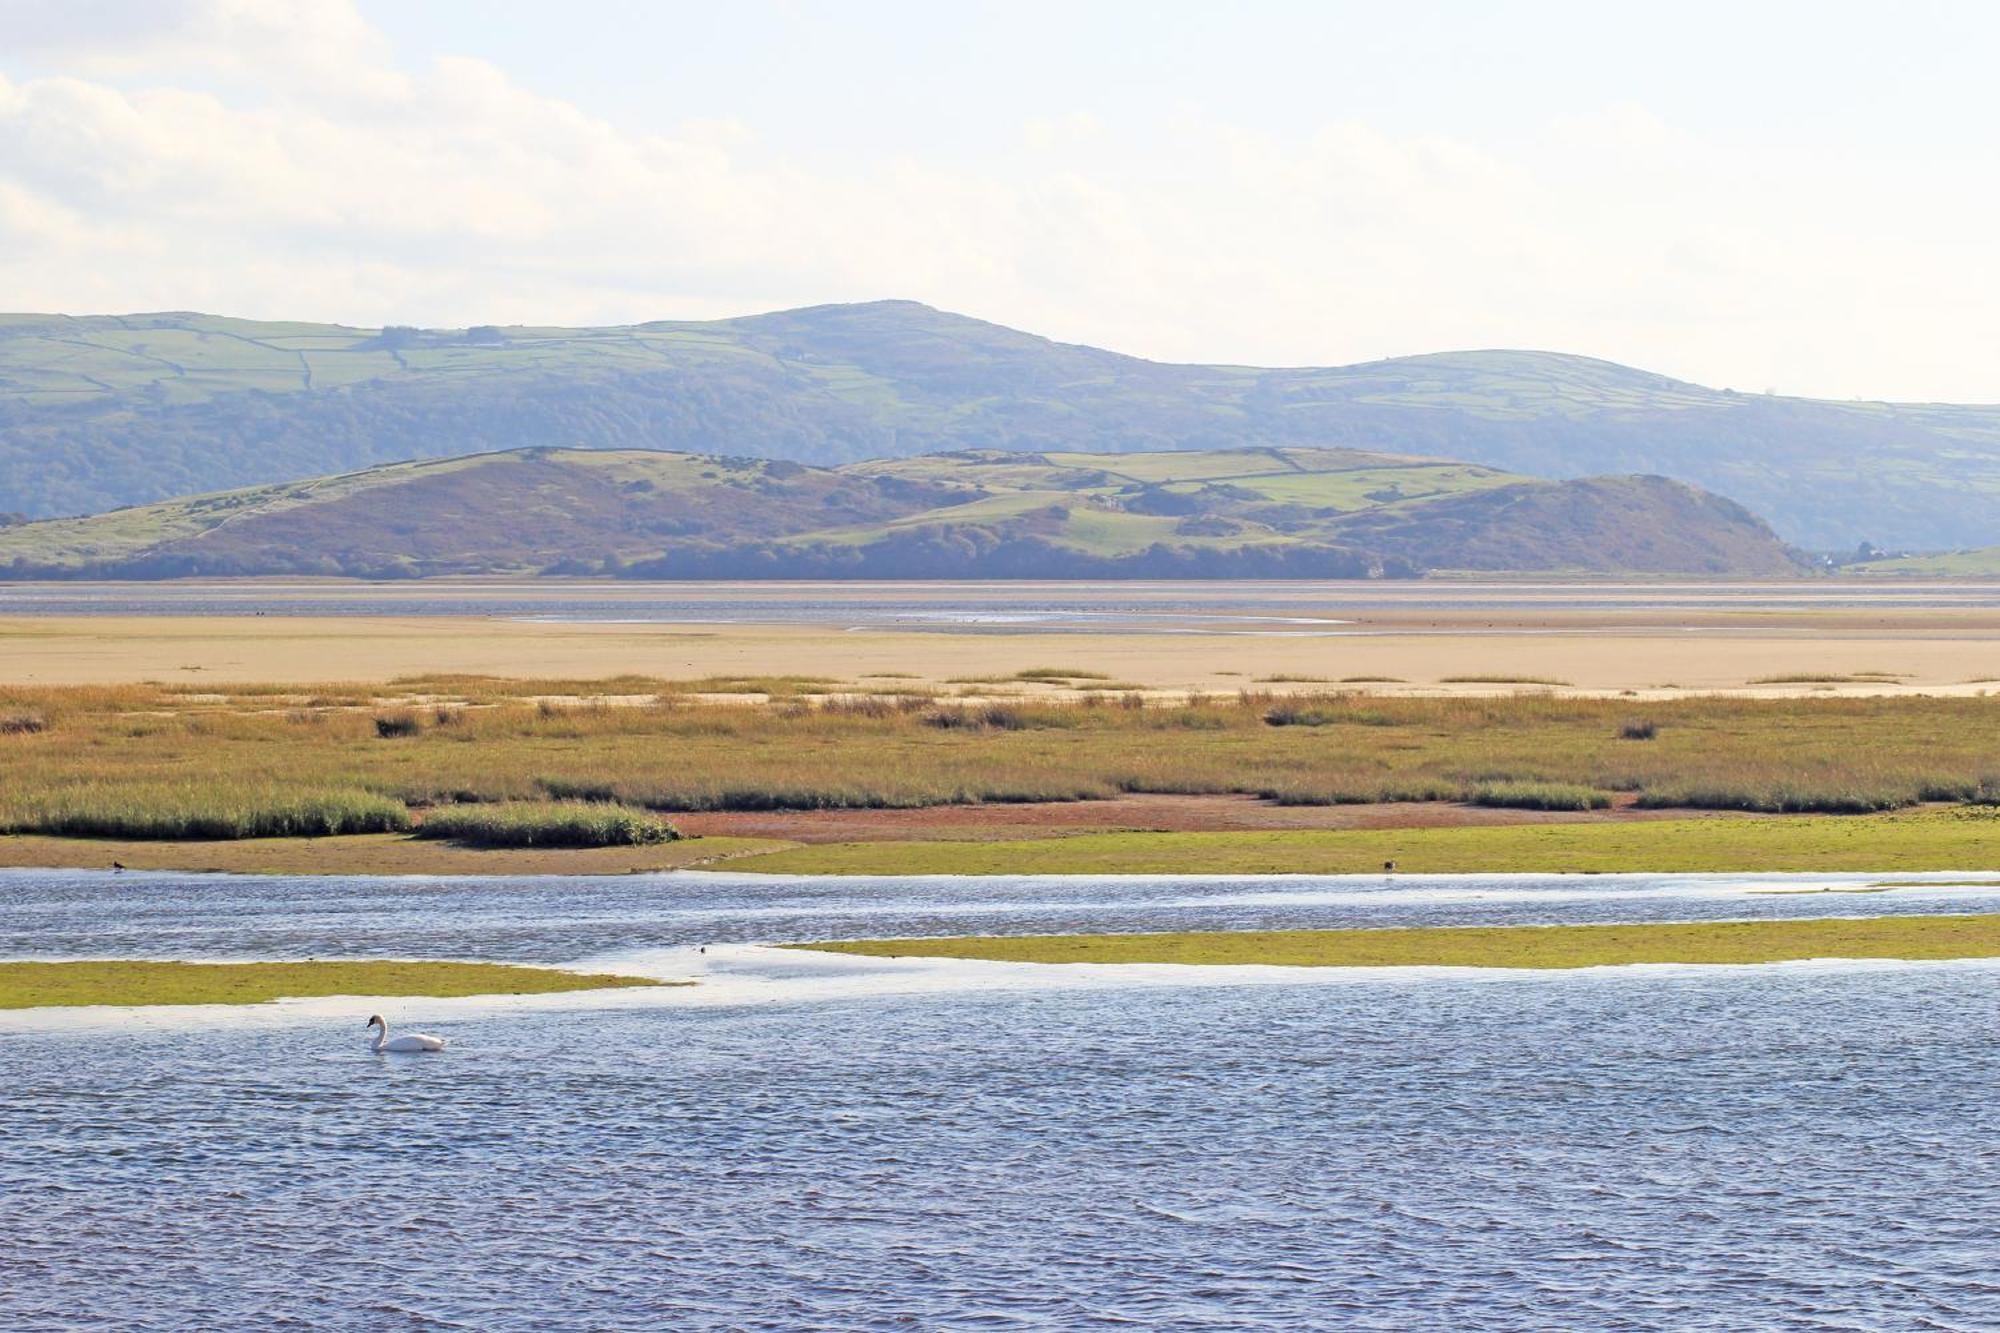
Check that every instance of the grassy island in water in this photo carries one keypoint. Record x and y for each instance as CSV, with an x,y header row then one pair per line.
x,y
31,985
1916,937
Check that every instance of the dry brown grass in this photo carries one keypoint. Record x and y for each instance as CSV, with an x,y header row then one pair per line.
x,y
101,749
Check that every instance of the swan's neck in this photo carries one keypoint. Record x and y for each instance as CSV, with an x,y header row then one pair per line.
x,y
381,1034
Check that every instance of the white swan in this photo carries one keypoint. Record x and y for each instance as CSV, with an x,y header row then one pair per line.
x,y
409,1041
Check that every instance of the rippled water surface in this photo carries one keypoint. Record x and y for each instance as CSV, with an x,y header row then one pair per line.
x,y
808,1141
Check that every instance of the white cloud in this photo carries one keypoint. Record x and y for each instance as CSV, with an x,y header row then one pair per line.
x,y
264,158
323,45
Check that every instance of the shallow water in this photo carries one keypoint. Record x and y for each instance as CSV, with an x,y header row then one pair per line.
x,y
1298,607
806,1141
554,919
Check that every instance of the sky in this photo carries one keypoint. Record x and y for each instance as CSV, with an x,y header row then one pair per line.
x,y
1799,197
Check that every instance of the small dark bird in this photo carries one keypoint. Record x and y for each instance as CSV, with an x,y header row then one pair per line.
x,y
1388,865
117,865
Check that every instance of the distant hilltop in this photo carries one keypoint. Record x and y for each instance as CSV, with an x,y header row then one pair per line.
x,y
1234,513
116,410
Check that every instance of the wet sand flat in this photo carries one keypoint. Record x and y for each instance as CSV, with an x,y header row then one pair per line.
x,y
1656,653
1138,813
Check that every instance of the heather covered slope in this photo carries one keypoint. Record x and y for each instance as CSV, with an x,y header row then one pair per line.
x,y
517,512
1318,513
1636,524
102,411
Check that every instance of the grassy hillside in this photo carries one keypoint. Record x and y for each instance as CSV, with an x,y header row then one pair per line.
x,y
112,410
1978,563
1326,513
1595,523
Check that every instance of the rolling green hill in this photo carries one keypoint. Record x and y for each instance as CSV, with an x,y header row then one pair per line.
x,y
1977,563
104,411
1323,513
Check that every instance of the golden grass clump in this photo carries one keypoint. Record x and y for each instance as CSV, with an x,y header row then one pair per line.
x,y
1540,796
207,811
550,824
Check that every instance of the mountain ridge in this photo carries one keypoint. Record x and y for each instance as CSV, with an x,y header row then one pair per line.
x,y
97,411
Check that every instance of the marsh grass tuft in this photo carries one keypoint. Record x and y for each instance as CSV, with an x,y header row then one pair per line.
x,y
186,812
553,824
1000,717
1788,797
1365,793
391,726
1321,710
1540,796
868,705
1058,674
579,789
1301,714
1831,678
